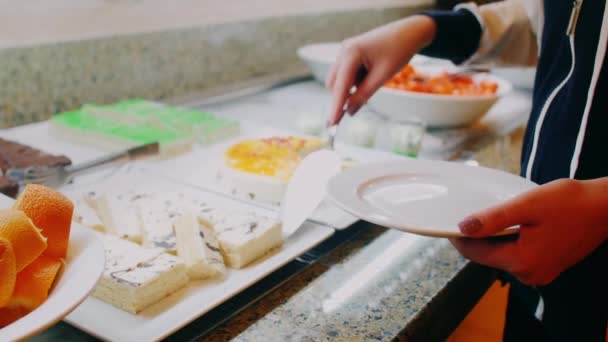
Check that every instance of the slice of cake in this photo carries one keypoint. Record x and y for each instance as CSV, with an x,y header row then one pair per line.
x,y
244,236
156,223
17,156
136,277
83,213
157,212
259,169
198,247
8,187
118,213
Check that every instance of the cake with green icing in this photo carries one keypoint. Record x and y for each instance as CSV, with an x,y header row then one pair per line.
x,y
139,121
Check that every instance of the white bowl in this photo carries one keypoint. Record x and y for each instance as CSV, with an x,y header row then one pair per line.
x,y
320,57
436,110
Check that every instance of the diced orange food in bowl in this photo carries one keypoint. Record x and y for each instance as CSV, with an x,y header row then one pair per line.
x,y
410,79
50,211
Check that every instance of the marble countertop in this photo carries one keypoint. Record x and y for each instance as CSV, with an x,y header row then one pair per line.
x,y
367,282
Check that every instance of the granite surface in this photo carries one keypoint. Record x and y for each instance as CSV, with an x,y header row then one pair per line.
x,y
390,300
43,80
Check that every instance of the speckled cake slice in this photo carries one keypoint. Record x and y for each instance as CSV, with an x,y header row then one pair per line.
x,y
136,277
83,212
118,214
244,236
198,247
157,212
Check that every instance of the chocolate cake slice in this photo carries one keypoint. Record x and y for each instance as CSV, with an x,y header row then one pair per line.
x,y
9,187
16,155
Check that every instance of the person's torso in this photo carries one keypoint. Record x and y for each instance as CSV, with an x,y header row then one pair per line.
x,y
567,133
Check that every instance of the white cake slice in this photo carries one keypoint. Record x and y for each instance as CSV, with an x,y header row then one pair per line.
x,y
135,277
251,186
244,236
259,169
83,213
91,197
157,211
118,213
198,247
156,223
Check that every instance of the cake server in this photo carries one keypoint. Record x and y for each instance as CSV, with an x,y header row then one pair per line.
x,y
307,186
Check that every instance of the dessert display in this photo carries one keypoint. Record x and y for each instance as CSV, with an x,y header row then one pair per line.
x,y
155,242
172,253
259,169
14,155
34,238
444,84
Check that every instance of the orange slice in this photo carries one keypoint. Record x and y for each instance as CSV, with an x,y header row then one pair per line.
x,y
8,272
51,212
10,314
31,288
25,239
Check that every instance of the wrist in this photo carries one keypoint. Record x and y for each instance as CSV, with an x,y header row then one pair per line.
x,y
419,31
598,189
427,27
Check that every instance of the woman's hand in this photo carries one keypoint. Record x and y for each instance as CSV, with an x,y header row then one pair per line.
x,y
382,52
561,223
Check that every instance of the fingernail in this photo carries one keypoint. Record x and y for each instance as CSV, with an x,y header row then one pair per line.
x,y
352,110
470,225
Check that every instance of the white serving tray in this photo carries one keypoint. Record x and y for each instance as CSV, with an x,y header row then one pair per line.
x,y
172,313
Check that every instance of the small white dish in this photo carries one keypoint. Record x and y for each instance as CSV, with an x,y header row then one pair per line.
x,y
423,197
83,267
436,110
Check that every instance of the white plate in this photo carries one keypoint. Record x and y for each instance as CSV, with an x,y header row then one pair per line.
x,y
422,196
82,270
172,313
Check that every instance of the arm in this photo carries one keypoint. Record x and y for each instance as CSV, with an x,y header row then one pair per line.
x,y
500,32
382,52
503,33
561,223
